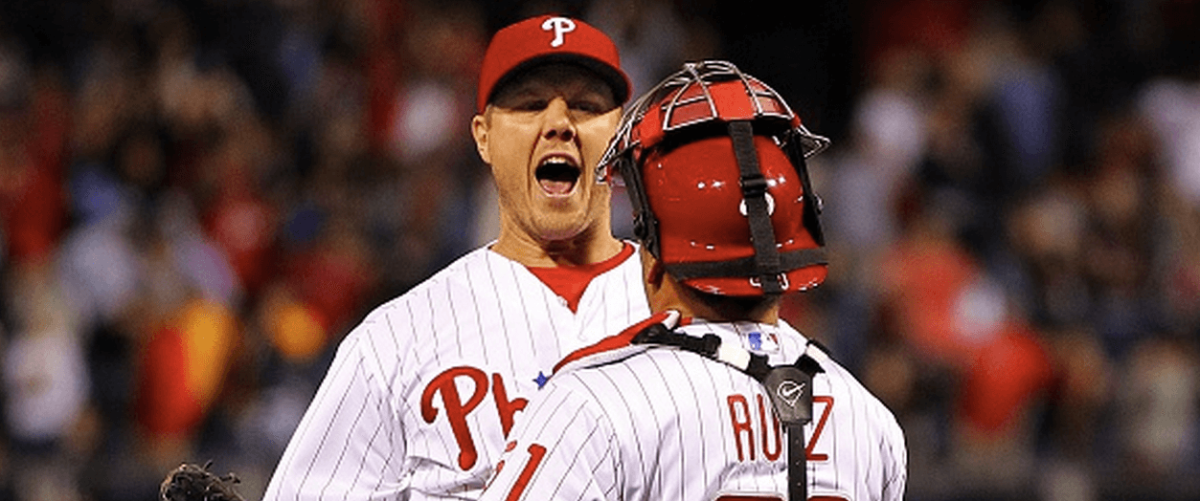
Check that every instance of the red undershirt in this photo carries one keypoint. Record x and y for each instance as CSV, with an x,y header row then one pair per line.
x,y
569,282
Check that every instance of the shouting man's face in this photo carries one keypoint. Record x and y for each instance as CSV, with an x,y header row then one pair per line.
x,y
543,135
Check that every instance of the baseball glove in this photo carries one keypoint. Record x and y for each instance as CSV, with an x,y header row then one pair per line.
x,y
189,482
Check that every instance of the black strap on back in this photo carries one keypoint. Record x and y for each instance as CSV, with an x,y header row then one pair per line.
x,y
788,386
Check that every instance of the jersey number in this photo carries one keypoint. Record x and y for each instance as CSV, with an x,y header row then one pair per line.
x,y
536,453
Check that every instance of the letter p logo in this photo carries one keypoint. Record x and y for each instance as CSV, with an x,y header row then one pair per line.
x,y
560,26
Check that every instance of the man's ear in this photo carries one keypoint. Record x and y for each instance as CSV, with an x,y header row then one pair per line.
x,y
479,131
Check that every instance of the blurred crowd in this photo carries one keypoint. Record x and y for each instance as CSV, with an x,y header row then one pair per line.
x,y
198,198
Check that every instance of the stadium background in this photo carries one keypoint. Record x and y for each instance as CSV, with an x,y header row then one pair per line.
x,y
199,197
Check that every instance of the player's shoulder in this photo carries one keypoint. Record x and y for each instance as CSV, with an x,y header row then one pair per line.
x,y
578,385
394,313
481,271
455,273
843,384
452,275
614,348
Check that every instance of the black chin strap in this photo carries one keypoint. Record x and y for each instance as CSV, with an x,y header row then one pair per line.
x,y
788,386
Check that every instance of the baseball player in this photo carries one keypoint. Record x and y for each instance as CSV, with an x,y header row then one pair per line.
x,y
421,394
714,397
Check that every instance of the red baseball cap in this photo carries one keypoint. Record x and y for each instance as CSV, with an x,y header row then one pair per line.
x,y
547,39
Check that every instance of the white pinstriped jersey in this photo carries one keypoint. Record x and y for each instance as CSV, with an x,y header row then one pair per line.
x,y
421,394
666,424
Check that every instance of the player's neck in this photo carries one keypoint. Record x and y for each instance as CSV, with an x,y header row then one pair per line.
x,y
589,247
671,295
718,313
665,293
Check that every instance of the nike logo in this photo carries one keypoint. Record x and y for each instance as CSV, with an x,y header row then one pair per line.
x,y
790,392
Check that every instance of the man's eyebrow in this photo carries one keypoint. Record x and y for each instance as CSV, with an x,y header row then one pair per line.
x,y
517,90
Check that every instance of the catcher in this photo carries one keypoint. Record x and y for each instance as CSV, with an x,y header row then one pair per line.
x,y
714,397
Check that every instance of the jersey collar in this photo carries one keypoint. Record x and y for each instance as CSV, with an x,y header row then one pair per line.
x,y
620,345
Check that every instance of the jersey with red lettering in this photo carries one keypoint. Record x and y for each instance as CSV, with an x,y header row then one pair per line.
x,y
657,423
421,394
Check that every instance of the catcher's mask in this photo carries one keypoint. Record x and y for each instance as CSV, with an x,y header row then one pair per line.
x,y
714,163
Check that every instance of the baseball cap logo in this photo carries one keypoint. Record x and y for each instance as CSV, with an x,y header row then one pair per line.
x,y
560,26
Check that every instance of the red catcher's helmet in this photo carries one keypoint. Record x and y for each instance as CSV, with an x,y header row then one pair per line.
x,y
714,163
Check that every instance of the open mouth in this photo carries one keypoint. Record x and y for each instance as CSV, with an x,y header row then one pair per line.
x,y
557,176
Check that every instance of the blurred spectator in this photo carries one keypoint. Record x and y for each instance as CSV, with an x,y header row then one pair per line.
x,y
1172,106
34,114
182,369
653,37
46,387
1161,412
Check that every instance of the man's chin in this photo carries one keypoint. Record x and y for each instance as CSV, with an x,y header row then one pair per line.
x,y
559,234
561,225
566,218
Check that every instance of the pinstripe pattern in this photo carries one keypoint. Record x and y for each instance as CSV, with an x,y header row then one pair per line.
x,y
463,348
658,424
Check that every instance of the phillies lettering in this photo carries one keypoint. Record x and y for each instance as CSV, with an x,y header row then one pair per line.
x,y
560,26
457,409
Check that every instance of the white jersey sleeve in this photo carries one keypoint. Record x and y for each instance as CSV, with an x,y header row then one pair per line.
x,y
350,436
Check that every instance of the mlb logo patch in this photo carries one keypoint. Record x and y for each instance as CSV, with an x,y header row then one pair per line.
x,y
762,343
